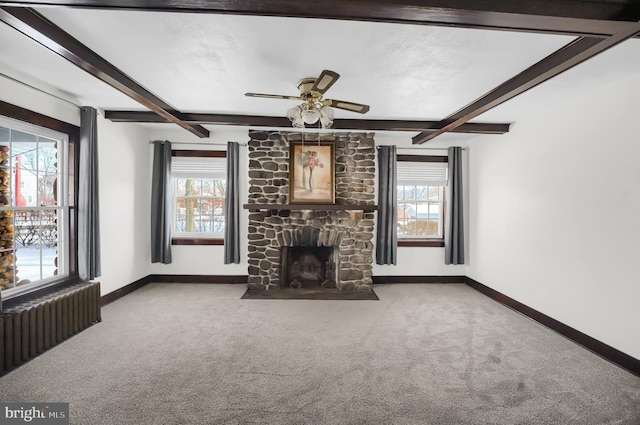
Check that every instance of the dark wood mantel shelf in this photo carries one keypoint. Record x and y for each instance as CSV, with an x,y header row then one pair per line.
x,y
314,207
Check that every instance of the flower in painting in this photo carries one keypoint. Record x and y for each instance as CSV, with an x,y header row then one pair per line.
x,y
314,161
310,160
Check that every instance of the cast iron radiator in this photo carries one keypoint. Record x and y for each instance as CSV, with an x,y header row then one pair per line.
x,y
37,323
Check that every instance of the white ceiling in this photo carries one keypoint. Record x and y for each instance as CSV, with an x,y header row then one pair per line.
x,y
206,62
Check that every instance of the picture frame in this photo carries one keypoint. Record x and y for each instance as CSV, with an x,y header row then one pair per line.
x,y
311,172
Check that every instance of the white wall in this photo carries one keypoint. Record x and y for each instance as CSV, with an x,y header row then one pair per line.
x,y
420,261
554,214
28,98
124,203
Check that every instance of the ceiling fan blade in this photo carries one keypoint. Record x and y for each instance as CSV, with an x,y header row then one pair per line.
x,y
273,96
349,106
325,81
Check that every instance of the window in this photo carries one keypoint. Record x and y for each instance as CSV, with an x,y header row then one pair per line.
x,y
34,206
421,182
199,191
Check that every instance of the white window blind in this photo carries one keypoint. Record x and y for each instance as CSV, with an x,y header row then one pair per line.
x,y
422,173
198,167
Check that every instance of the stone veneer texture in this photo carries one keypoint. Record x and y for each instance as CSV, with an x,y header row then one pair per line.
x,y
270,230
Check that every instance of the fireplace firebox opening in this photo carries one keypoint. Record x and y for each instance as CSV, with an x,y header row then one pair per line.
x,y
308,267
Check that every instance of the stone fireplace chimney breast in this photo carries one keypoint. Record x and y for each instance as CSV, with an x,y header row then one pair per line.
x,y
274,231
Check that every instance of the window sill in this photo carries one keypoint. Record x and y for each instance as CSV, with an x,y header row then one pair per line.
x,y
197,241
36,291
421,242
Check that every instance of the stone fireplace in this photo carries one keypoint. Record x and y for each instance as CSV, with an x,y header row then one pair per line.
x,y
323,246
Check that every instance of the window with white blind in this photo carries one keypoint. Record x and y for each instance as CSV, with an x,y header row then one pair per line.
x,y
199,190
421,182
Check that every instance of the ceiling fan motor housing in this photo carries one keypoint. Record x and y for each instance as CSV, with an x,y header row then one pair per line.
x,y
305,86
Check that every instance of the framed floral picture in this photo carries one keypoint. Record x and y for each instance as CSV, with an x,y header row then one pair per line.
x,y
311,173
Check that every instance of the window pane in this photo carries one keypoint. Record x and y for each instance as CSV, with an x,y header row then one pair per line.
x,y
200,220
218,224
208,187
34,263
18,136
35,227
218,206
36,239
196,187
421,192
181,215
433,228
204,215
189,187
32,226
409,192
191,206
220,188
24,189
4,135
434,193
7,254
35,161
180,186
47,172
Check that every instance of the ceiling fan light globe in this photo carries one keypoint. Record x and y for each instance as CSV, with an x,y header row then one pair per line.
x,y
311,116
326,117
294,113
295,116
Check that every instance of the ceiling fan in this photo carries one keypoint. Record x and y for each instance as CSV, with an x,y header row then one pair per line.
x,y
314,107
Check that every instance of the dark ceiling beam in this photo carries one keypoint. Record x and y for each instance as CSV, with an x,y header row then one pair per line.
x,y
565,58
592,18
282,122
425,126
199,118
45,32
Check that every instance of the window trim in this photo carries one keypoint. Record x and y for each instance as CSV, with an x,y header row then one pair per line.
x,y
73,137
190,240
426,242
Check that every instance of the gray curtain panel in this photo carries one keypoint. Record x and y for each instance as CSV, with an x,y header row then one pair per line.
x,y
454,222
232,207
161,203
387,230
88,197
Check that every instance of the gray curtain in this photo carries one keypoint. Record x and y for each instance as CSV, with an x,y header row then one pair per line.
x,y
387,230
88,197
161,203
232,207
454,222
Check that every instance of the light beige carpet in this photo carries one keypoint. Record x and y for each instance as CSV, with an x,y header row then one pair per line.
x,y
422,354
